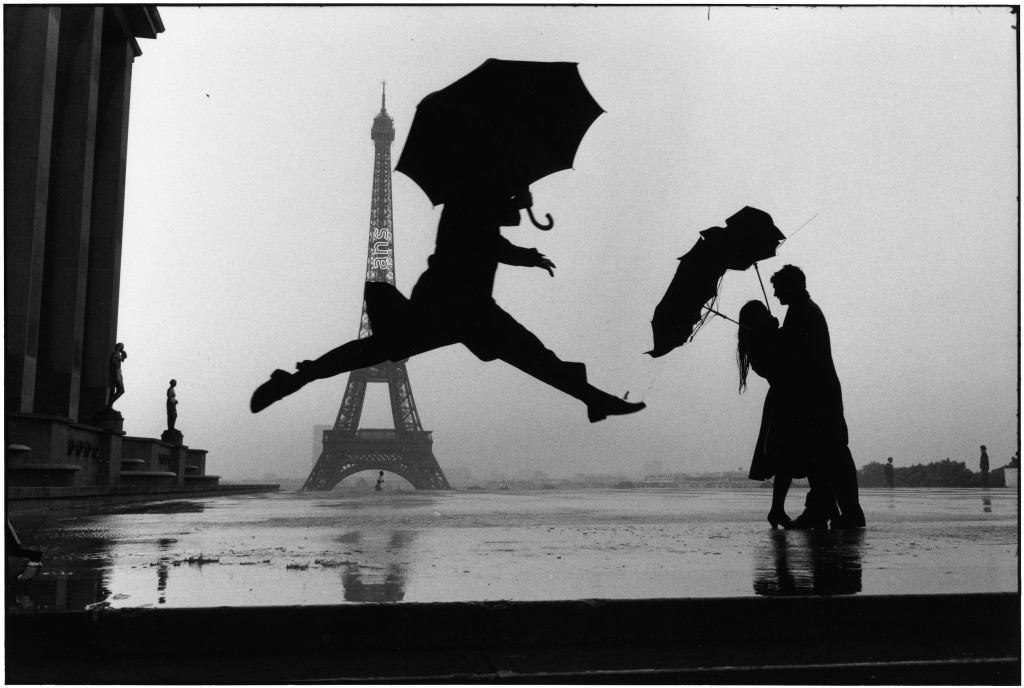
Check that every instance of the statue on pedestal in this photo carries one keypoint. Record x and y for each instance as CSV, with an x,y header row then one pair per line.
x,y
172,405
116,381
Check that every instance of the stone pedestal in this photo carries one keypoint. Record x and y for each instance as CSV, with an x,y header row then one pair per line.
x,y
108,465
109,419
172,436
17,453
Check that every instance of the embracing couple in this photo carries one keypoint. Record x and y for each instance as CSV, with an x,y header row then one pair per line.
x,y
803,431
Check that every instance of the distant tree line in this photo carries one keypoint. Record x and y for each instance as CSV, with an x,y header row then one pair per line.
x,y
945,473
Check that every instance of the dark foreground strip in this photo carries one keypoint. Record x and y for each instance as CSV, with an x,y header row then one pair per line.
x,y
920,639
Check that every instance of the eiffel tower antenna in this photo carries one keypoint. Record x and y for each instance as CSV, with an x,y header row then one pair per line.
x,y
407,450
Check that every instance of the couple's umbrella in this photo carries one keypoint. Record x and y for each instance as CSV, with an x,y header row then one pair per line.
x,y
748,236
498,129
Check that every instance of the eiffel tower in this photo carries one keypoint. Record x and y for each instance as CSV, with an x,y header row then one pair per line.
x,y
408,449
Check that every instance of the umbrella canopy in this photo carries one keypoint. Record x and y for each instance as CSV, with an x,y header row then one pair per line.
x,y
748,236
498,129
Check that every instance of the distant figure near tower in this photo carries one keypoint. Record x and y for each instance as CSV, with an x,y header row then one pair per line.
x,y
890,473
983,465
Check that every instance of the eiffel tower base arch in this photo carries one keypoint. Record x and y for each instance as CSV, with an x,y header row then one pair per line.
x,y
408,454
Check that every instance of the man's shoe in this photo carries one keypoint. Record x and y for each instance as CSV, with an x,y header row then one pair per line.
x,y
841,522
280,385
808,521
608,405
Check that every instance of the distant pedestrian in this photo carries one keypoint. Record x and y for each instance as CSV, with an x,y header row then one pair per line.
x,y
379,487
983,464
890,473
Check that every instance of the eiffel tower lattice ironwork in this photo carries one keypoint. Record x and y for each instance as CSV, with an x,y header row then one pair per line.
x,y
407,450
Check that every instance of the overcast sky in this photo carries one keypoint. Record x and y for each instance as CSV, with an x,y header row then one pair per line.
x,y
248,201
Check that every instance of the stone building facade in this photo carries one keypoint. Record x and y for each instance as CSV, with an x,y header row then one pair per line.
x,y
67,89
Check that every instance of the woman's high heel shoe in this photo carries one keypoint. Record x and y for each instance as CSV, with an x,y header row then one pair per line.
x,y
779,518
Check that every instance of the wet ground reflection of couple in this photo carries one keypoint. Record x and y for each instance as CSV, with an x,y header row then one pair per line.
x,y
803,430
821,564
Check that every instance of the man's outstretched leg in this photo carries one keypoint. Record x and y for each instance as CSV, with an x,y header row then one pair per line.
x,y
358,353
501,336
844,484
400,341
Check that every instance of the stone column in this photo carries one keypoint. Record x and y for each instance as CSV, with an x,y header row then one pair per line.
x,y
58,374
104,269
108,468
179,453
30,71
180,463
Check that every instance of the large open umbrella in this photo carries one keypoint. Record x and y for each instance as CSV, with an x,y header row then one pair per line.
x,y
748,236
498,129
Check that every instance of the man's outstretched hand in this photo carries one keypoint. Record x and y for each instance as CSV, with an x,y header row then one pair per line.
x,y
545,262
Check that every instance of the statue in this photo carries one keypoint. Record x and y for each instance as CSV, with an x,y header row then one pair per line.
x,y
116,381
172,403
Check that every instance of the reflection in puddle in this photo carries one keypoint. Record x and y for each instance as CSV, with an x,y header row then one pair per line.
x,y
163,545
183,507
291,550
382,579
58,592
74,574
804,562
359,565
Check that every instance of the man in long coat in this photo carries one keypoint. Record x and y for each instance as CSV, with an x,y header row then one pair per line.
x,y
812,423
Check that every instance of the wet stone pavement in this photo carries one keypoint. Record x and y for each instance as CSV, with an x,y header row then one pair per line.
x,y
304,549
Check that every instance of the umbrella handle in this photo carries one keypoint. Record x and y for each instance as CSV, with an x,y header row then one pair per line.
x,y
762,288
549,225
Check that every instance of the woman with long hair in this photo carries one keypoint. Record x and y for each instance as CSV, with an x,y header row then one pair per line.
x,y
757,349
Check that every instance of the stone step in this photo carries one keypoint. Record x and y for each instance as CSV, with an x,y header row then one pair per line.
x,y
149,478
202,479
42,474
